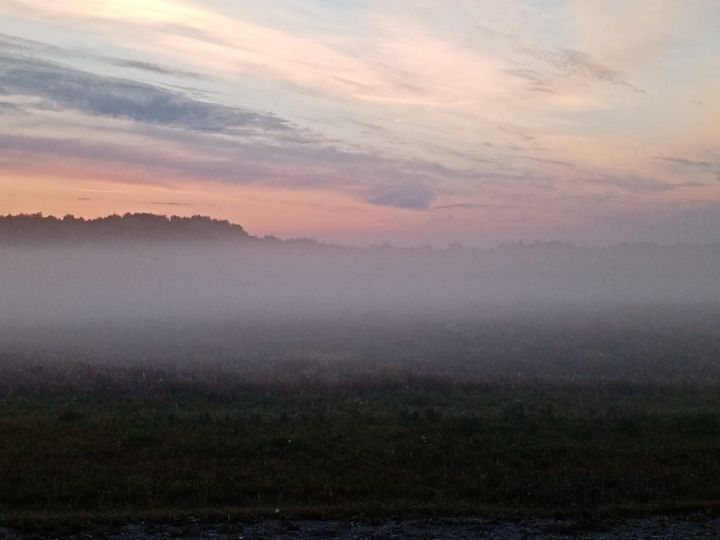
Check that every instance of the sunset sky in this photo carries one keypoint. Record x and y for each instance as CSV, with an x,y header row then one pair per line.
x,y
361,121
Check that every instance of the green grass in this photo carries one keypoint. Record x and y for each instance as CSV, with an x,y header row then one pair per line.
x,y
125,443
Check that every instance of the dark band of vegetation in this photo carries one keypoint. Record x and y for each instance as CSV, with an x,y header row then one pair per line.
x,y
36,227
134,440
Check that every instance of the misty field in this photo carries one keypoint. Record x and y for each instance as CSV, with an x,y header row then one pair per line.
x,y
339,421
146,375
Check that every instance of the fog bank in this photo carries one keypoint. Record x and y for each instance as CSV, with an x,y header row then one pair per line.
x,y
68,283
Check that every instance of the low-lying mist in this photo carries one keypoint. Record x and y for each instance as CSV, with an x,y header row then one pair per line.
x,y
539,309
71,283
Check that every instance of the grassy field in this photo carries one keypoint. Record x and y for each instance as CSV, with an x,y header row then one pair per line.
x,y
88,440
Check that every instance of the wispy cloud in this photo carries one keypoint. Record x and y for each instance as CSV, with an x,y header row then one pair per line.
x,y
574,63
65,87
471,206
36,48
636,184
549,161
169,203
410,193
153,68
683,162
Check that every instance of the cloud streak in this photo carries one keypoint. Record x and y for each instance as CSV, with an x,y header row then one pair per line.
x,y
572,63
683,162
153,68
638,185
470,206
64,87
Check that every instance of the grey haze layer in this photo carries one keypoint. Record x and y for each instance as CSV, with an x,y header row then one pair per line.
x,y
294,310
200,280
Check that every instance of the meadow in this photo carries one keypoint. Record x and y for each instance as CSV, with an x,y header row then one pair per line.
x,y
354,422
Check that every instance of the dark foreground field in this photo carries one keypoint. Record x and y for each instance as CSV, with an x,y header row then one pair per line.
x,y
592,420
108,444
417,529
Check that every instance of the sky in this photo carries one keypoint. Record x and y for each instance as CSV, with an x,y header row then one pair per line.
x,y
414,122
